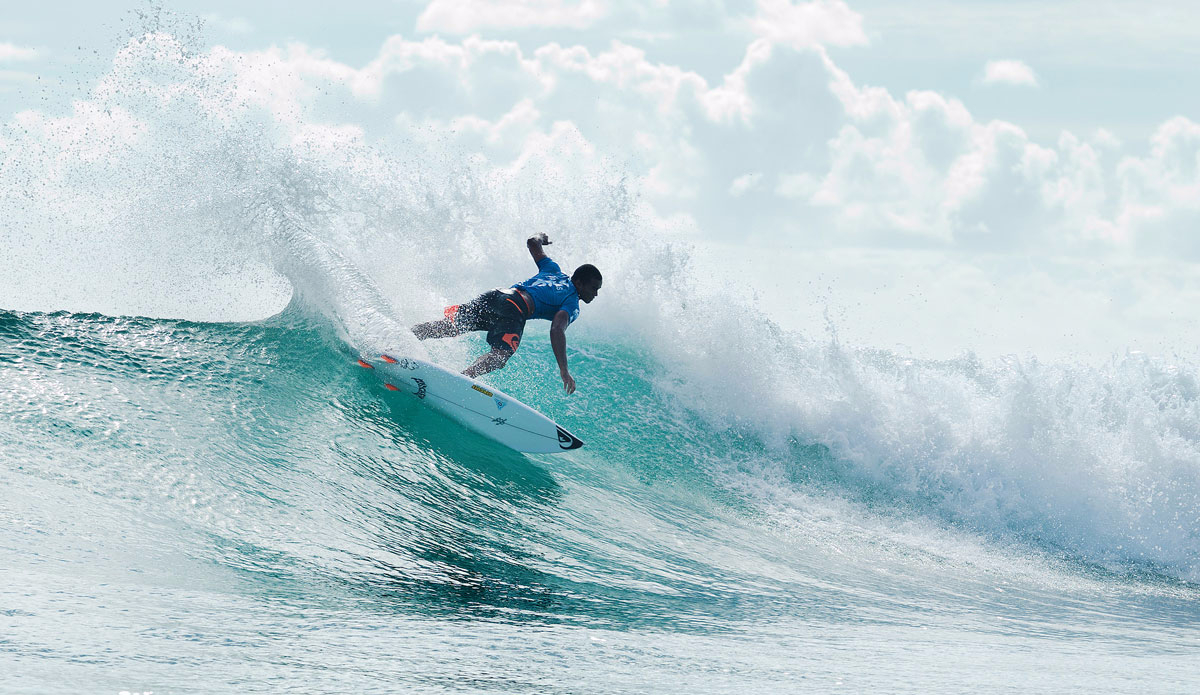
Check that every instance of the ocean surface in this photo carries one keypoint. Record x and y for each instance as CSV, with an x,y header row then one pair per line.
x,y
233,507
227,504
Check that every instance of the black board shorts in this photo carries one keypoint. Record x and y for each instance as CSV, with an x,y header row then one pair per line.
x,y
498,312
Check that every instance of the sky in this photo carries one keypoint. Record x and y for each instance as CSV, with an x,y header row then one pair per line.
x,y
933,176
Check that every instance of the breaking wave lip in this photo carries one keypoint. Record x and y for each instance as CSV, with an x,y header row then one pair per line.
x,y
1102,464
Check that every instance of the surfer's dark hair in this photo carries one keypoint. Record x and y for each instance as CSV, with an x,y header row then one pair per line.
x,y
586,274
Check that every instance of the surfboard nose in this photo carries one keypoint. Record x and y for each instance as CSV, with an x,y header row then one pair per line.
x,y
567,440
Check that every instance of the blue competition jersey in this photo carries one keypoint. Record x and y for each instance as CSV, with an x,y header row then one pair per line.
x,y
551,290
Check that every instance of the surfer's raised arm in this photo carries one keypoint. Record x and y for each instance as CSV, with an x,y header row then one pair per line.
x,y
558,341
535,244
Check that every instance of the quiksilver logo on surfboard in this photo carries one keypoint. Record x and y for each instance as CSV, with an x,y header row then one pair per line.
x,y
568,441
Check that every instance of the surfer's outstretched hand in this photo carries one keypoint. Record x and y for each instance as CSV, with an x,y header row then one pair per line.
x,y
542,239
568,382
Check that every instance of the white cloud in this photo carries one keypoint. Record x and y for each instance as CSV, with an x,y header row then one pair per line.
x,y
467,16
920,169
808,24
624,68
12,52
474,66
731,99
1013,72
1160,193
504,139
744,183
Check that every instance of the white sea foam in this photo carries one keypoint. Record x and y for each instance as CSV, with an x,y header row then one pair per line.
x,y
1100,463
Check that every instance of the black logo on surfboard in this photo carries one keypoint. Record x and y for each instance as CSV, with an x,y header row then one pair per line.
x,y
420,387
568,441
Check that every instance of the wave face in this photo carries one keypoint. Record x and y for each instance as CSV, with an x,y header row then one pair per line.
x,y
227,504
206,503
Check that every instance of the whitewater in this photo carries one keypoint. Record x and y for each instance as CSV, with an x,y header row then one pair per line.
x,y
203,494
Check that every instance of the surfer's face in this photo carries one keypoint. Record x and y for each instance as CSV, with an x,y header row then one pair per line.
x,y
589,290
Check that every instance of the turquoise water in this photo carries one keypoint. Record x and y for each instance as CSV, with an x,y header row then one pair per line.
x,y
216,507
229,504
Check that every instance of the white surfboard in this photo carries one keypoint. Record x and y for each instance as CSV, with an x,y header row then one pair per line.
x,y
478,406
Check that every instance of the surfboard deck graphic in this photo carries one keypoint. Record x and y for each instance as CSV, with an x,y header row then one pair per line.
x,y
479,407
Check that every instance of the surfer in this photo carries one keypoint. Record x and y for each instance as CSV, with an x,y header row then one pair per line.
x,y
502,312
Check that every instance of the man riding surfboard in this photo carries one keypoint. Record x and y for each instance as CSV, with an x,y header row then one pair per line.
x,y
502,312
